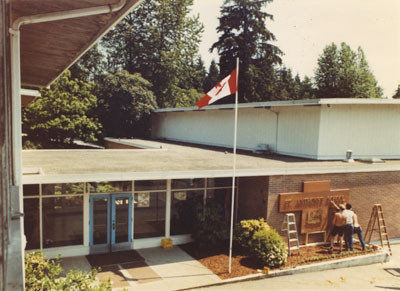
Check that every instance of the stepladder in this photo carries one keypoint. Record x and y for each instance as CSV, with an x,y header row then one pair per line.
x,y
290,228
377,223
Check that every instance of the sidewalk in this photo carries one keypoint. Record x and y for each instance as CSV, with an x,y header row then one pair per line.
x,y
162,269
174,269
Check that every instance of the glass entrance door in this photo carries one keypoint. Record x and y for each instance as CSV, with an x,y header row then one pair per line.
x,y
110,222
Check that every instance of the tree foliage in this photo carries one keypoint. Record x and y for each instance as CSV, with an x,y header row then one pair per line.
x,y
44,274
160,40
62,113
287,87
126,102
90,67
396,94
342,73
212,78
244,34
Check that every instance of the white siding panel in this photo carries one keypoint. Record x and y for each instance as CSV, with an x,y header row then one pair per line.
x,y
367,130
298,131
215,127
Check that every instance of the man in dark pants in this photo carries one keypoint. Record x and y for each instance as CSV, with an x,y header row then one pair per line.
x,y
357,230
339,223
348,230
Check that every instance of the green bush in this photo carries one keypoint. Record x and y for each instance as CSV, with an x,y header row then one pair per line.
x,y
268,247
44,274
245,230
210,227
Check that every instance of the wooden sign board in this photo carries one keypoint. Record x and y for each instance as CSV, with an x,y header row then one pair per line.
x,y
314,204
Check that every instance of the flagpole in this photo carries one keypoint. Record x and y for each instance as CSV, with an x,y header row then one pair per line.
x,y
234,164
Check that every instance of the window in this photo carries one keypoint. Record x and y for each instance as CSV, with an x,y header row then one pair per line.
x,y
62,189
32,223
187,183
149,214
110,187
62,221
150,185
184,207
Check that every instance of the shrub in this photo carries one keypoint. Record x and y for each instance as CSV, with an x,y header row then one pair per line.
x,y
207,226
44,274
268,247
210,227
245,230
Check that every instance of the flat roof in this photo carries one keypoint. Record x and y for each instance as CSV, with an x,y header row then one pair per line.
x,y
306,102
173,161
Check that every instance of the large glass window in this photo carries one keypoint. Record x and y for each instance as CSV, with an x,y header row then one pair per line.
x,y
62,189
110,187
184,207
31,190
222,199
187,183
150,185
219,182
149,214
62,221
32,223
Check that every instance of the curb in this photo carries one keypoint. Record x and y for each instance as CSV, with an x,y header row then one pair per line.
x,y
380,257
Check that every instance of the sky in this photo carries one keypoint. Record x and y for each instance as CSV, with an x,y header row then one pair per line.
x,y
304,27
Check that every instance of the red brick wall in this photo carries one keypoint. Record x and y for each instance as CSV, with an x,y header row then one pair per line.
x,y
253,197
259,197
366,189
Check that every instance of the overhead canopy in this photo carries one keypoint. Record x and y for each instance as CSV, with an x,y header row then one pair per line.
x,y
47,49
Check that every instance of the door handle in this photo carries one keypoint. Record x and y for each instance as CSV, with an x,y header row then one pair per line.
x,y
113,225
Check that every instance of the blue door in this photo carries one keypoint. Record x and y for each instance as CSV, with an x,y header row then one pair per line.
x,y
110,222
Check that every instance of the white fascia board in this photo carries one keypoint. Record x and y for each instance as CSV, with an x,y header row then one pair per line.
x,y
306,102
127,142
29,92
79,178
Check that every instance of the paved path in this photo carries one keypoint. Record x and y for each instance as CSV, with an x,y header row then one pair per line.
x,y
384,276
174,269
170,269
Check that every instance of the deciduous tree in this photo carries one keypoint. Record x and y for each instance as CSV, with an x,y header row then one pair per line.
x,y
126,102
61,114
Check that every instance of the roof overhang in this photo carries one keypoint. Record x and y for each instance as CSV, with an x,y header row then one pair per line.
x,y
49,48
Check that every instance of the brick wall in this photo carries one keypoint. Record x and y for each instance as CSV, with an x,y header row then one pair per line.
x,y
366,189
259,197
253,197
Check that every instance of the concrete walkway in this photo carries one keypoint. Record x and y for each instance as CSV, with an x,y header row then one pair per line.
x,y
174,269
167,269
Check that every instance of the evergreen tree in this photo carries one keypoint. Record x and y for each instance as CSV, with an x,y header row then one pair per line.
x,y
327,73
61,114
343,73
244,34
213,77
160,40
396,94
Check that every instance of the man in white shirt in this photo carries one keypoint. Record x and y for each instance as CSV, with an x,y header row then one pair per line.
x,y
348,230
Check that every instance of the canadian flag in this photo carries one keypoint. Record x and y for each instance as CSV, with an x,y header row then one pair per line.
x,y
224,88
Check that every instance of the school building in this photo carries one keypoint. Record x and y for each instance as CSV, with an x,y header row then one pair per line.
x,y
134,193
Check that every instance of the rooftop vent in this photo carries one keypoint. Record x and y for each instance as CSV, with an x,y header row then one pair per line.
x,y
262,148
349,156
